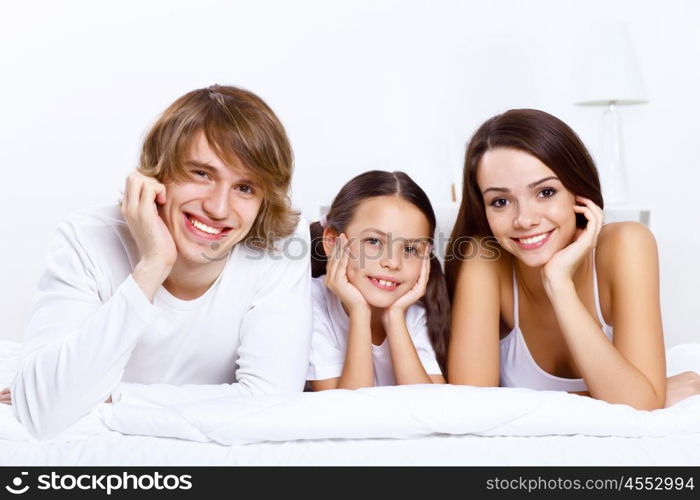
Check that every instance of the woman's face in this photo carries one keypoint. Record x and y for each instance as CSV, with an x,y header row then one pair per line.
x,y
388,240
529,210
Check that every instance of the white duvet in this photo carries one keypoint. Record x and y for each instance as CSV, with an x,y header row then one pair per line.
x,y
386,412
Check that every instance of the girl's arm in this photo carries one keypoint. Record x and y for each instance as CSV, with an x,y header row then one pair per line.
x,y
408,367
358,369
631,370
473,353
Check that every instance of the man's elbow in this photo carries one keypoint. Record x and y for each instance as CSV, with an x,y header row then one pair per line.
x,y
259,387
39,418
41,424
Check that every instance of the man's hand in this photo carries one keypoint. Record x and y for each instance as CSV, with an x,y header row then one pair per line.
x,y
153,239
5,396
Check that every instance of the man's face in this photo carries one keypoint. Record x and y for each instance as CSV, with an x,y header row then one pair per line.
x,y
213,209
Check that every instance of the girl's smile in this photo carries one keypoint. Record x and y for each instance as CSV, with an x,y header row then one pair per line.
x,y
384,282
387,237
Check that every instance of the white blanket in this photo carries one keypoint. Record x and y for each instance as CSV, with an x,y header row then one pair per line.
x,y
407,412
386,412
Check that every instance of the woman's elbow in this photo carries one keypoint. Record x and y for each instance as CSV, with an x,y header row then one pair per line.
x,y
473,379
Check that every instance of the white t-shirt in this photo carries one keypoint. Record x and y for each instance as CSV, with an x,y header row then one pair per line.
x,y
330,339
93,333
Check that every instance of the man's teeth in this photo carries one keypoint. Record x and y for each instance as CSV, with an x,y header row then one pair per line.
x,y
533,240
203,227
386,283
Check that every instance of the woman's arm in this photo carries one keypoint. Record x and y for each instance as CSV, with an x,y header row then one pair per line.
x,y
631,369
473,353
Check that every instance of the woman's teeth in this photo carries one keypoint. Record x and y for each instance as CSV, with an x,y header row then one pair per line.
x,y
533,240
203,227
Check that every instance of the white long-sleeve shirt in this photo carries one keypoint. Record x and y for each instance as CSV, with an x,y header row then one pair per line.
x,y
93,333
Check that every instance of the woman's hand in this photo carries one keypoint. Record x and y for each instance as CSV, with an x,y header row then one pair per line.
x,y
563,264
337,277
5,396
681,386
416,292
140,211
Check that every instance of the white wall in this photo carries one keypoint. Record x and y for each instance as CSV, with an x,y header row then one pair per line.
x,y
359,84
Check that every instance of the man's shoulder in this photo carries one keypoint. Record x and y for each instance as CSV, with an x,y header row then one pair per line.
x,y
86,219
294,247
97,230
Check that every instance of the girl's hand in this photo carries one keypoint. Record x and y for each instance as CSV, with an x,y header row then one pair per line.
x,y
563,264
681,386
139,209
5,396
337,276
417,291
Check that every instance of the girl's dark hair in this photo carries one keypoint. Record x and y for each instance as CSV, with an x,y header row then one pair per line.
x,y
537,133
382,183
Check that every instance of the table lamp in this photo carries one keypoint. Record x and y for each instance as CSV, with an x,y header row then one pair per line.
x,y
608,75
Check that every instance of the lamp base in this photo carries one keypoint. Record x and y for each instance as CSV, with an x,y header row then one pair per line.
x,y
613,176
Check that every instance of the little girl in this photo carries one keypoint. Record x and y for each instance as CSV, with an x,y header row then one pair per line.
x,y
381,312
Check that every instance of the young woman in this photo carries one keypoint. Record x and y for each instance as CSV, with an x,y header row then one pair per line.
x,y
380,304
544,295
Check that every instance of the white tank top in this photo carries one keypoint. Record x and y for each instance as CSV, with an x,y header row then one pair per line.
x,y
519,369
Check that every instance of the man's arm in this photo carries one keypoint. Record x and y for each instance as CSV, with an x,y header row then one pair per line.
x,y
273,356
75,346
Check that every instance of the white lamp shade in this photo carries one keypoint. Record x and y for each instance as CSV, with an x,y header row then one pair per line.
x,y
607,70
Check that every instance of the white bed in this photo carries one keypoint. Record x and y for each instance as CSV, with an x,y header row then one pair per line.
x,y
419,425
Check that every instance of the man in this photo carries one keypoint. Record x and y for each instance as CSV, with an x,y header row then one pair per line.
x,y
187,290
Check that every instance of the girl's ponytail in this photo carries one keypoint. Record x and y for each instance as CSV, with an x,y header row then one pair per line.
x,y
437,309
318,256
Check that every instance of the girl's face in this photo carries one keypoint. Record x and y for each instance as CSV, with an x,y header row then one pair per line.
x,y
388,240
529,210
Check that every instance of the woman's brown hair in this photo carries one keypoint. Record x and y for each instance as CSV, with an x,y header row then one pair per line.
x,y
381,183
235,123
537,133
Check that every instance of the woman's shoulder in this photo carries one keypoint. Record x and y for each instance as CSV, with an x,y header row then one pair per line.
x,y
617,238
485,276
483,253
625,245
